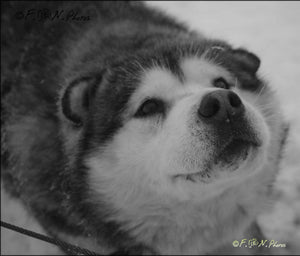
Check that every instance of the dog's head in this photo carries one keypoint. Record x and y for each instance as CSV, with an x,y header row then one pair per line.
x,y
182,123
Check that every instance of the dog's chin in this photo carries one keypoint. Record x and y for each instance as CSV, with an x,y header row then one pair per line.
x,y
230,158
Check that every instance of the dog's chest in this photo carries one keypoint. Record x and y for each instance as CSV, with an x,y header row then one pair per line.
x,y
193,230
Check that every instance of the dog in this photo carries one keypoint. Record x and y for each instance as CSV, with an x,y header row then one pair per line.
x,y
123,131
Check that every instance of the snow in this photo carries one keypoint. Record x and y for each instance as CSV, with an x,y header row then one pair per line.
x,y
269,29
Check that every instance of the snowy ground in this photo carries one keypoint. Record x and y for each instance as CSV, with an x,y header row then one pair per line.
x,y
271,30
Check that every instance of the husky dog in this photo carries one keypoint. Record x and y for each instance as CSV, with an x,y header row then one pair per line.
x,y
128,132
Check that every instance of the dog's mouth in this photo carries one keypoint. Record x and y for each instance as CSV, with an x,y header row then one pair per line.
x,y
235,150
228,158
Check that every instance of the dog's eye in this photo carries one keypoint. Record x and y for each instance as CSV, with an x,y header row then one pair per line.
x,y
221,83
150,107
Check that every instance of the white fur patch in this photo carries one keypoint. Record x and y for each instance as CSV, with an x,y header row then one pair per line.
x,y
202,72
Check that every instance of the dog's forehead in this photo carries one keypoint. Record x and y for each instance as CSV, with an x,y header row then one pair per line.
x,y
200,70
167,67
160,82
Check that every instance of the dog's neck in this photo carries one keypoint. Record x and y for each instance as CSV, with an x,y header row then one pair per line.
x,y
187,228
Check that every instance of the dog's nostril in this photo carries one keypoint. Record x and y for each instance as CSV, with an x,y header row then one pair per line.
x,y
209,107
234,100
220,106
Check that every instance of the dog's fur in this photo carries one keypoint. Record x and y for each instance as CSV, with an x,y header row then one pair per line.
x,y
95,173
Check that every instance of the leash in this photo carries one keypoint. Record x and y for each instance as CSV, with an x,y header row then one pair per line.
x,y
69,248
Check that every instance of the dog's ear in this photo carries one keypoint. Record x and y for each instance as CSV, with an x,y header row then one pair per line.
x,y
77,98
246,61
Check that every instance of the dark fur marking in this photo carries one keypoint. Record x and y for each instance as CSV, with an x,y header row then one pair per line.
x,y
242,210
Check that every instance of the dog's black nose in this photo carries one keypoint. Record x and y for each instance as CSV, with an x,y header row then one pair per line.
x,y
221,106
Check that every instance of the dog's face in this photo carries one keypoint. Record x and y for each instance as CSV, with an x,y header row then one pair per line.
x,y
182,126
189,138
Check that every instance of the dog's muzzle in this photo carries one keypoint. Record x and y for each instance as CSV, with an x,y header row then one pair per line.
x,y
224,114
232,137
